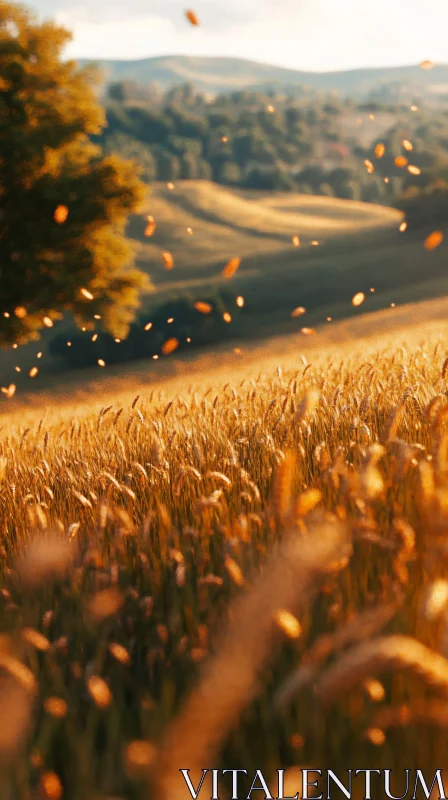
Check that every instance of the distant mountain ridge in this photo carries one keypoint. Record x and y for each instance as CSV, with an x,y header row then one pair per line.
x,y
222,74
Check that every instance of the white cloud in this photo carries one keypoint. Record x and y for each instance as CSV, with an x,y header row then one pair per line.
x,y
303,34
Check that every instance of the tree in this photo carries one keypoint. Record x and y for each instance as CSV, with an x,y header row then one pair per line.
x,y
230,173
168,166
133,150
188,167
63,204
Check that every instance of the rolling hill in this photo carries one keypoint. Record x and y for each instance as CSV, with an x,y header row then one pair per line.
x,y
223,74
345,247
203,224
358,247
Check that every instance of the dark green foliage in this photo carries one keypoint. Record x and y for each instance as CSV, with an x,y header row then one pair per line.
x,y
187,323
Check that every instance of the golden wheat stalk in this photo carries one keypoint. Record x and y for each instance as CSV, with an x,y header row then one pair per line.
x,y
231,679
360,627
385,654
282,489
429,712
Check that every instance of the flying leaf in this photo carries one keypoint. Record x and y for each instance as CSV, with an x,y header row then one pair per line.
x,y
203,308
170,346
433,240
192,18
231,267
168,260
358,299
151,226
60,214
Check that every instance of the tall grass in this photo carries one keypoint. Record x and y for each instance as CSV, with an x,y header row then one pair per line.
x,y
250,575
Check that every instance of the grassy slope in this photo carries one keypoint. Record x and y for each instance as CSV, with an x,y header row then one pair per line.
x,y
359,247
256,226
227,223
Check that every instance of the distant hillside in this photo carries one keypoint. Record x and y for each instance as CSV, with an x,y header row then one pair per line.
x,y
228,74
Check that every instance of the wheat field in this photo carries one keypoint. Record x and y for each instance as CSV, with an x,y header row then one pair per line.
x,y
249,571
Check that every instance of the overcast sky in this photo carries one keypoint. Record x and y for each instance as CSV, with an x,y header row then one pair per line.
x,y
302,34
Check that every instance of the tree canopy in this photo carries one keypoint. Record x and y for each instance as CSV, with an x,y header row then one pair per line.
x,y
63,204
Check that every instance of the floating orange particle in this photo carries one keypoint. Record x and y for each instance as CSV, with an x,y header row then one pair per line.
x,y
192,18
401,161
227,317
358,299
308,331
148,326
168,260
101,362
20,312
231,267
403,226
140,755
119,653
48,322
60,214
288,623
240,301
380,150
170,346
296,241
190,231
407,144
414,170
56,707
33,372
85,293
369,166
433,240
151,226
52,786
170,186
9,391
426,64
203,308
99,691
298,312
234,571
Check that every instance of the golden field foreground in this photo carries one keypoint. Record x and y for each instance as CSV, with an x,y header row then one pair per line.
x,y
249,573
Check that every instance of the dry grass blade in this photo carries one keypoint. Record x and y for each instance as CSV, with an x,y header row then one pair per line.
x,y
430,712
230,680
282,490
362,626
16,706
385,654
